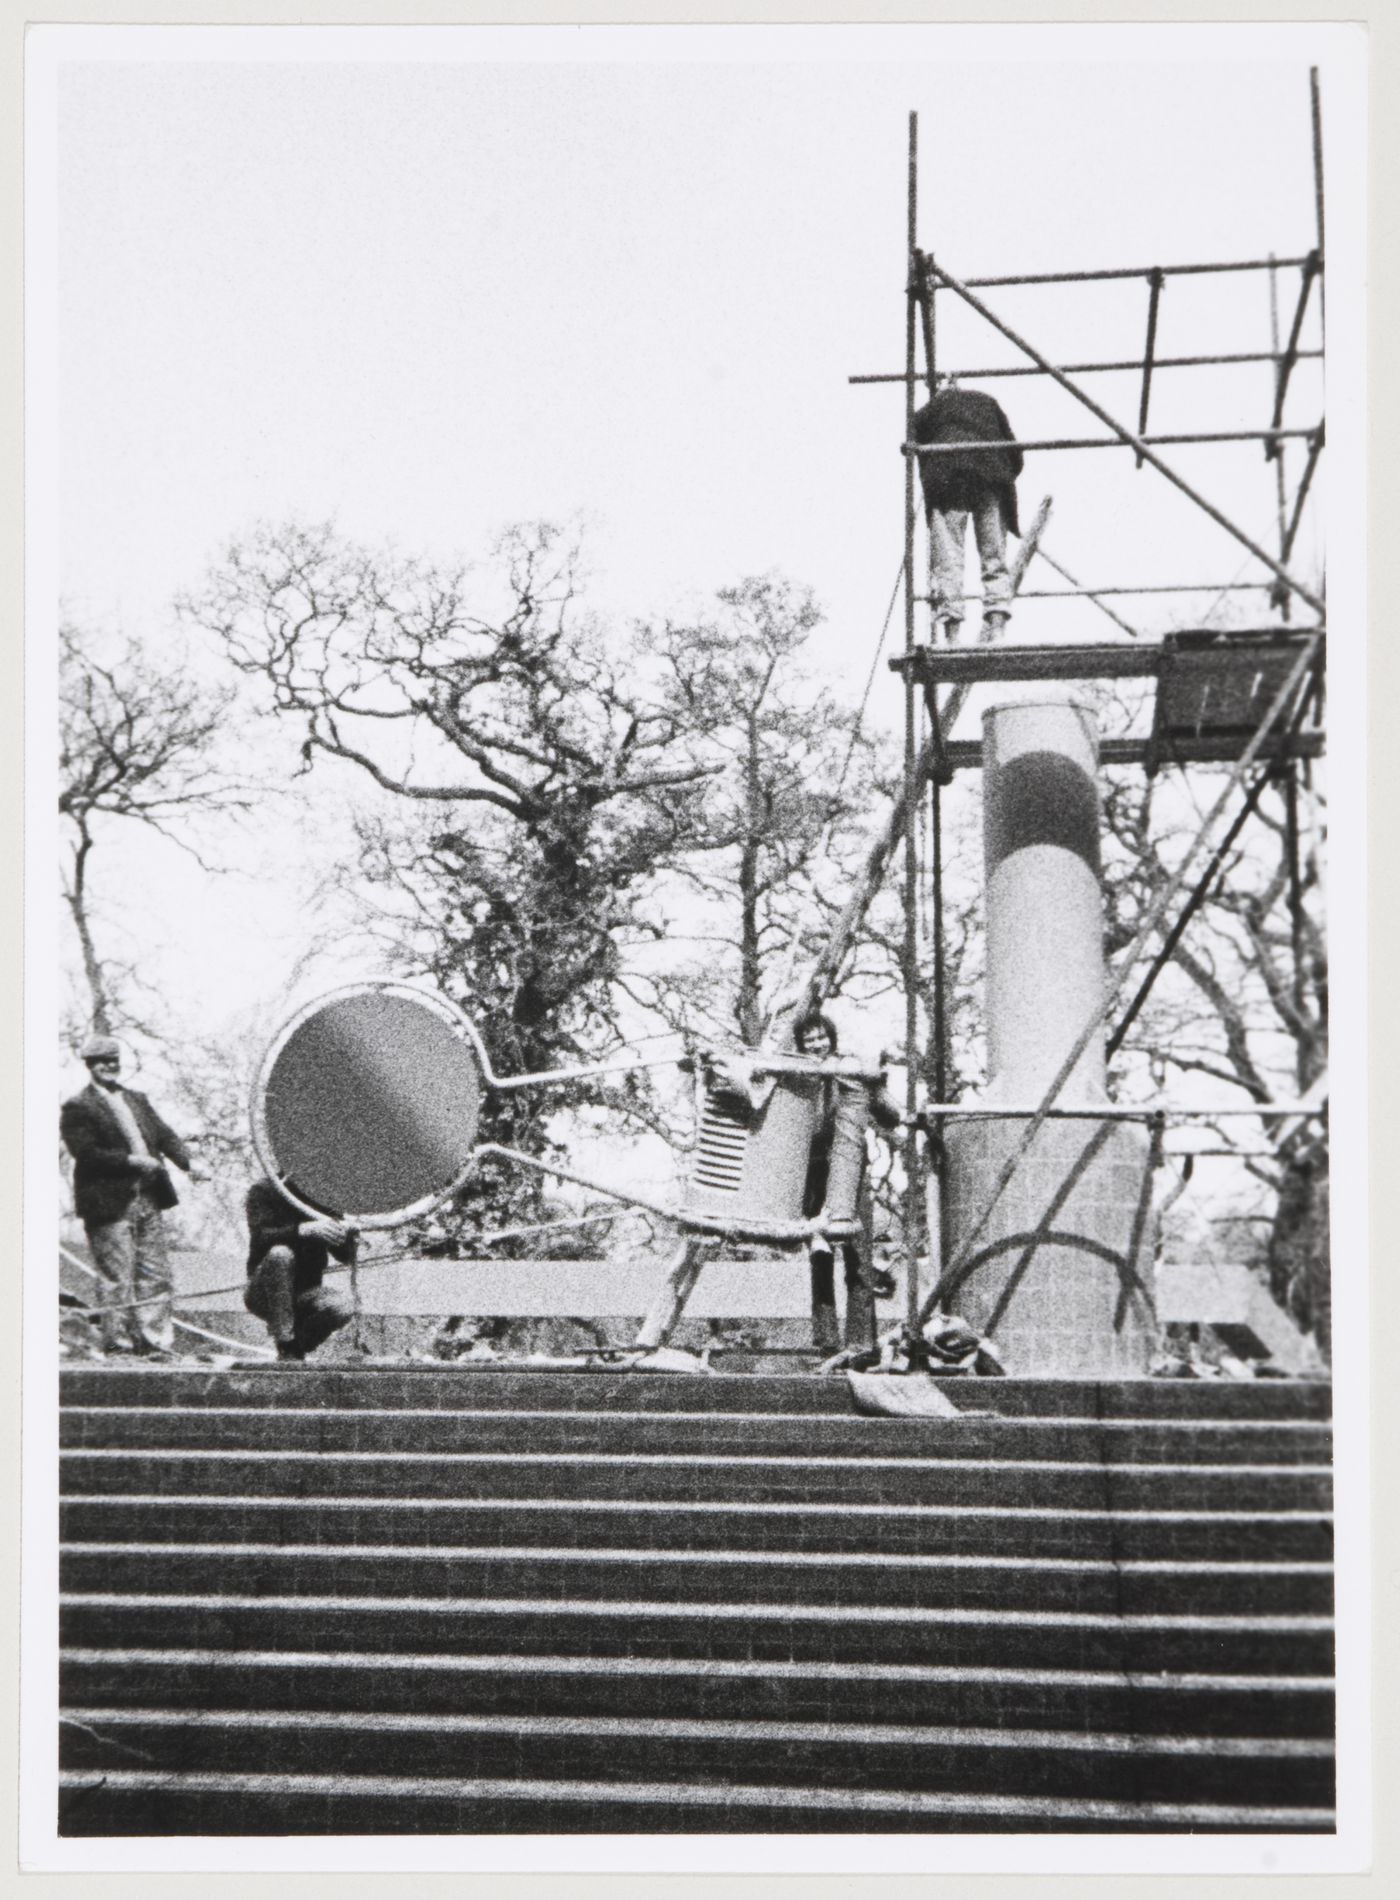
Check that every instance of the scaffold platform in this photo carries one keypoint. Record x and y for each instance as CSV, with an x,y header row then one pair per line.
x,y
1212,689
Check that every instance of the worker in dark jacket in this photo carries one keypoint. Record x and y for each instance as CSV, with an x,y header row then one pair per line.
x,y
121,1190
979,483
288,1253
864,1281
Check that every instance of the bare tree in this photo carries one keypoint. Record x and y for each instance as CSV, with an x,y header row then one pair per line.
x,y
138,743
792,777
1243,1003
534,781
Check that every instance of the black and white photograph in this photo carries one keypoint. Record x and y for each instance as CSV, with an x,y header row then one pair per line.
x,y
695,875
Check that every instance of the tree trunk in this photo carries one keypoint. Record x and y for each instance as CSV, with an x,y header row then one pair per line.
x,y
75,897
1299,1256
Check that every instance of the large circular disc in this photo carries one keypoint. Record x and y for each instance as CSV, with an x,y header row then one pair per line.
x,y
368,1102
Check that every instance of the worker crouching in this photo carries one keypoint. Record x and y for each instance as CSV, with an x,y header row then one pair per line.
x,y
288,1254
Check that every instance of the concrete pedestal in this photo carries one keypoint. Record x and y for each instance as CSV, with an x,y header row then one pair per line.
x,y
1075,1306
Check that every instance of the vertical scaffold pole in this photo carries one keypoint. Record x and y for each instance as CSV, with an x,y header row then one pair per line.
x,y
1315,92
937,1075
913,1186
1281,598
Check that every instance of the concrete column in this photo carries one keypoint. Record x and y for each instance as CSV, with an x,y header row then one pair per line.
x,y
1044,900
1075,1304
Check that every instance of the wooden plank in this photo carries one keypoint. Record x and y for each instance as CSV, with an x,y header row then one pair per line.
x,y
1235,655
773,1288
1207,749
969,666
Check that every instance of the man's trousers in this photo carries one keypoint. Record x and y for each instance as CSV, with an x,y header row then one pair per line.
x,y
130,1255
304,1320
947,541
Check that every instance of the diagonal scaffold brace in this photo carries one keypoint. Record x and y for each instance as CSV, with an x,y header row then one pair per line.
x,y
815,988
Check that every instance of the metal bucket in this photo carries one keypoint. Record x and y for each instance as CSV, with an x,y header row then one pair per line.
x,y
751,1163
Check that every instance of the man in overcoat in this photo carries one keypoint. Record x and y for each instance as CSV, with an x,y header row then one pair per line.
x,y
977,484
121,1191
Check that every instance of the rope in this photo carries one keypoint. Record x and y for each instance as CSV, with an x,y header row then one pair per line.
x,y
870,681
221,1339
368,1266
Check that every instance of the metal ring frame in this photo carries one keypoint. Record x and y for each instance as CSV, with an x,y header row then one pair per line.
x,y
447,1011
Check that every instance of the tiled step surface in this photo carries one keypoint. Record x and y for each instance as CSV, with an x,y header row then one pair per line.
x,y
945,1477
1226,1536
424,1431
138,1802
454,1388
756,1576
435,1599
1056,1762
489,1682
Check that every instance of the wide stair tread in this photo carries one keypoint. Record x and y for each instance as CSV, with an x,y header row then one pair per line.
x,y
433,1599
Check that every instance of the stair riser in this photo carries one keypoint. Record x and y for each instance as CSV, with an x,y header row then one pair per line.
x,y
112,1810
291,1749
444,1386
89,1473
1186,1442
486,1522
336,1572
454,1629
1111,1704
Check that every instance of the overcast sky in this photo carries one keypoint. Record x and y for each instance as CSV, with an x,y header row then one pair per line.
x,y
433,296
434,299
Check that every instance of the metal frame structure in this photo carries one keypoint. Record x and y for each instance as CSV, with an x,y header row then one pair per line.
x,y
1276,735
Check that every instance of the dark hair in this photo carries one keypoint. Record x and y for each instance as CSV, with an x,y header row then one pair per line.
x,y
817,1021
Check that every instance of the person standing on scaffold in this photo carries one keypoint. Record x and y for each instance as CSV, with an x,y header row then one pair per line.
x,y
979,483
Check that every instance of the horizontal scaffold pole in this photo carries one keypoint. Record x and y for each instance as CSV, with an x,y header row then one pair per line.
x,y
1121,1112
1110,442
1126,435
1145,270
1174,587
1094,593
1133,363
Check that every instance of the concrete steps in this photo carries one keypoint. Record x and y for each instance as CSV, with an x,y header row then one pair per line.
x,y
439,1599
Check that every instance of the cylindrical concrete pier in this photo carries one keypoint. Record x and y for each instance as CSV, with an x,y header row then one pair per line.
x,y
1060,1275
1044,899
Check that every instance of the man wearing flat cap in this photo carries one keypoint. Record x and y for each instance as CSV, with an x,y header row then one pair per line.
x,y
121,1189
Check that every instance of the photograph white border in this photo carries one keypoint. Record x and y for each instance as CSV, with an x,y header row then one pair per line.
x,y
1341,50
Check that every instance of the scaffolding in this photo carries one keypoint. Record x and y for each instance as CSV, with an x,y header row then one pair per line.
x,y
1250,700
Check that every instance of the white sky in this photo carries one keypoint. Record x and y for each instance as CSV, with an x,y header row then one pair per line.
x,y
429,299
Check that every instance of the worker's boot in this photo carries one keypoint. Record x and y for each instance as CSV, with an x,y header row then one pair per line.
x,y
994,625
